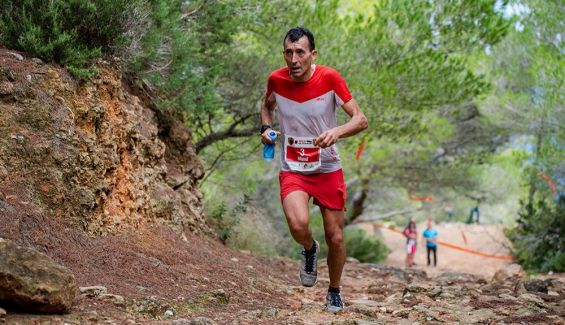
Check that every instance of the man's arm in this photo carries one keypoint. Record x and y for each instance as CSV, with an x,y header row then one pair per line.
x,y
267,109
356,124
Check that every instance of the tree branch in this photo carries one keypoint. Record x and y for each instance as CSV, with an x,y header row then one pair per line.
x,y
219,136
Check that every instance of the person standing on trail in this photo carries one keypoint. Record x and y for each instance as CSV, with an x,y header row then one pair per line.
x,y
430,234
473,211
307,96
411,235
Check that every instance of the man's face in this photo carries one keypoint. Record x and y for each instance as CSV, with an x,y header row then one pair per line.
x,y
299,58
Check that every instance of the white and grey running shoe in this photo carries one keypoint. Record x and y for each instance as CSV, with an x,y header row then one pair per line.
x,y
334,304
309,266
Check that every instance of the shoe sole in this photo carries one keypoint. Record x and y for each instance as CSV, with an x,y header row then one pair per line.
x,y
306,285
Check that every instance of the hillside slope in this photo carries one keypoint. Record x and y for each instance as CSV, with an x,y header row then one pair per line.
x,y
91,152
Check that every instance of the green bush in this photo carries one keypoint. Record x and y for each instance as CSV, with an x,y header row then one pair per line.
x,y
358,244
365,248
257,234
225,220
539,237
71,32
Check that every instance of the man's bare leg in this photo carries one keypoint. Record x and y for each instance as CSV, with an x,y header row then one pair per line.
x,y
295,206
333,228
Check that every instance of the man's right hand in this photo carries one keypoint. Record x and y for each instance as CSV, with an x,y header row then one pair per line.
x,y
265,138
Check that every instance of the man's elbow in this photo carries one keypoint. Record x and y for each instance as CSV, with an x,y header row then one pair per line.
x,y
363,123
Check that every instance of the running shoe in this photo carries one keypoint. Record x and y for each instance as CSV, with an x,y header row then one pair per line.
x,y
334,304
309,266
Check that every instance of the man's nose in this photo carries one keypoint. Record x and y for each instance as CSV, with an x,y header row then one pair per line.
x,y
294,58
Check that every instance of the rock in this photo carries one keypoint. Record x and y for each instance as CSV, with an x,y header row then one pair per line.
x,y
430,314
37,61
519,288
269,312
393,298
403,274
528,297
416,288
18,56
451,277
367,310
537,285
350,259
195,321
32,281
3,172
435,292
366,302
344,322
6,88
510,271
116,299
404,312
480,316
93,291
169,313
504,296
363,322
148,305
221,295
2,313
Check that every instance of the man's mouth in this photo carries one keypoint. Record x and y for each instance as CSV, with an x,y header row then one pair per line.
x,y
295,69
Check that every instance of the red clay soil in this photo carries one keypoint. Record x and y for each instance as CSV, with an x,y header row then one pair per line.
x,y
178,270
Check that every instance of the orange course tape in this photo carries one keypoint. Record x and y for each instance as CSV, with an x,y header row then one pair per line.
x,y
419,198
360,150
549,182
459,248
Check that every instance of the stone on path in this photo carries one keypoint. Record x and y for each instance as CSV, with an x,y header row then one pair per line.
x,y
195,321
93,291
33,282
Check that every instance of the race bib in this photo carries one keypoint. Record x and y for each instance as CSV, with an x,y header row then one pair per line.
x,y
301,154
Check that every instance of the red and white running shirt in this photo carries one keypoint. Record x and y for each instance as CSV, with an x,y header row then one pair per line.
x,y
305,110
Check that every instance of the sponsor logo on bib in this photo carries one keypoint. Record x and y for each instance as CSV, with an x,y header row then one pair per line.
x,y
301,154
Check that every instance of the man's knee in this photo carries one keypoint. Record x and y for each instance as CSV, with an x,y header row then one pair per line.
x,y
297,227
334,238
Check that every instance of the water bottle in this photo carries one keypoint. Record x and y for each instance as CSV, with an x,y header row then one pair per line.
x,y
269,149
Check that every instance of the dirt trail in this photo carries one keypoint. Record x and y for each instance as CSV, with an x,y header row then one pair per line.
x,y
483,238
198,281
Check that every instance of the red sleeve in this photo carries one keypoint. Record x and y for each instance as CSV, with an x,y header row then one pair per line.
x,y
340,87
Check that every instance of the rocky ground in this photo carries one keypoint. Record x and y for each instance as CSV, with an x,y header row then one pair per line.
x,y
160,277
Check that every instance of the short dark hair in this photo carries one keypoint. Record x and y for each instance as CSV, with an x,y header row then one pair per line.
x,y
297,33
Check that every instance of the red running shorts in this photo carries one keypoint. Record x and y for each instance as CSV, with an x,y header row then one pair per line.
x,y
328,189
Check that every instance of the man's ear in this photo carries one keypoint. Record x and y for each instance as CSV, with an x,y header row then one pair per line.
x,y
314,54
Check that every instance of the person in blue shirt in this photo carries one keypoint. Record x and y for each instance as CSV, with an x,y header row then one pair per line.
x,y
430,234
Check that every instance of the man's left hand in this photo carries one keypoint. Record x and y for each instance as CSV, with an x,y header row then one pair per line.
x,y
327,139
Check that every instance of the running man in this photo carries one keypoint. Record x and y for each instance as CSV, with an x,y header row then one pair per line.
x,y
307,96
430,234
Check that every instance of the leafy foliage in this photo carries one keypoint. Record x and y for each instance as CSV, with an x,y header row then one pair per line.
x,y
180,56
70,32
365,248
224,220
539,238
